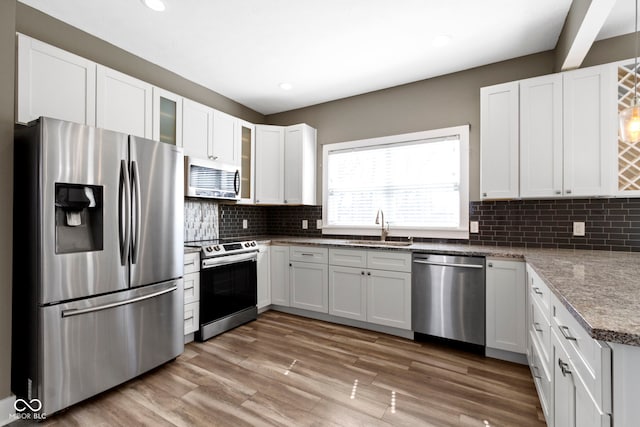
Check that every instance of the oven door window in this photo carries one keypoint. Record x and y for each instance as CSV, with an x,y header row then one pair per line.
x,y
227,289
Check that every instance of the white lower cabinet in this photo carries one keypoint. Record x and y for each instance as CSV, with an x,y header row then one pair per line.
x,y
571,370
191,286
505,305
279,264
309,286
389,298
348,292
373,286
264,276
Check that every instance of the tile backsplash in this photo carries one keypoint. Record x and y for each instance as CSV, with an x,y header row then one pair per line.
x,y
200,220
610,224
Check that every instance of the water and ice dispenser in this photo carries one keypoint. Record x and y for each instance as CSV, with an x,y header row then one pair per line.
x,y
79,218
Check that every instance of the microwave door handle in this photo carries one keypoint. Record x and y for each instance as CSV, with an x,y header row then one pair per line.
x,y
236,182
136,214
124,209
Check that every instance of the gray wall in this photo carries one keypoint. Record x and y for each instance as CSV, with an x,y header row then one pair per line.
x,y
43,27
7,67
439,102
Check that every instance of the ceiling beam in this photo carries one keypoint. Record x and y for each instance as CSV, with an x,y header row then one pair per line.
x,y
583,23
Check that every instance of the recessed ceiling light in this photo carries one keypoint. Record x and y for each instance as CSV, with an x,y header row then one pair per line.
x,y
286,86
157,5
442,40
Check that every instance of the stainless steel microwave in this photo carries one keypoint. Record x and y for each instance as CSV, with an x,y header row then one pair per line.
x,y
211,179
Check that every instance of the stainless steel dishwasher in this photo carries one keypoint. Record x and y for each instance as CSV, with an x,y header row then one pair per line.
x,y
448,297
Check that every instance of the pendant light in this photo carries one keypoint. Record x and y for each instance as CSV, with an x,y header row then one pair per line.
x,y
630,117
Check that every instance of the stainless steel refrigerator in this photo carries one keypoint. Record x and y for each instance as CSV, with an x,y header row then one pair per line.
x,y
98,260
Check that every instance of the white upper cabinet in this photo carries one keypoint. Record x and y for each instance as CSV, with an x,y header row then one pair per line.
x,y
300,165
541,136
123,103
269,164
590,132
247,132
167,117
499,141
197,130
285,171
226,141
54,83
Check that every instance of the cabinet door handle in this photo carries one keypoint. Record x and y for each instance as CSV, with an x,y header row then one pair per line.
x,y
305,254
368,273
362,272
290,265
537,291
567,335
490,264
484,194
537,327
558,192
192,262
568,191
564,367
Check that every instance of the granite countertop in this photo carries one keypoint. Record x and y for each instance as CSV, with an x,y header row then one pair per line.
x,y
600,289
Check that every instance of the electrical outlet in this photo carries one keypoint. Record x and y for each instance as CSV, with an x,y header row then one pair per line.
x,y
578,228
305,224
474,227
318,224
245,223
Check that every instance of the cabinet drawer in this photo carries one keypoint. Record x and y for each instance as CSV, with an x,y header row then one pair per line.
x,y
191,262
309,254
539,291
541,376
348,257
191,287
540,329
191,317
387,260
591,358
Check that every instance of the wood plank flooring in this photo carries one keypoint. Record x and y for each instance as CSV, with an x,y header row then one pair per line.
x,y
286,370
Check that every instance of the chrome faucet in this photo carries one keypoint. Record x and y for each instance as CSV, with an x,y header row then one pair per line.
x,y
380,220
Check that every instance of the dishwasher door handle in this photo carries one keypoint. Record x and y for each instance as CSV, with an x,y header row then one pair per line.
x,y
443,264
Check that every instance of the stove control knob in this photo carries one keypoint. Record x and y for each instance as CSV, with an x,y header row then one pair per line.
x,y
216,248
253,243
208,249
246,244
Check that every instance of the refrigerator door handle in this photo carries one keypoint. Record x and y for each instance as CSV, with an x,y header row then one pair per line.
x,y
136,214
78,311
124,198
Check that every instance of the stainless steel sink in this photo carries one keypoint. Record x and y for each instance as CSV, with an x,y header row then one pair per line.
x,y
378,243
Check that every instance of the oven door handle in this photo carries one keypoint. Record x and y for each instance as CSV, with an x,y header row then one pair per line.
x,y
229,259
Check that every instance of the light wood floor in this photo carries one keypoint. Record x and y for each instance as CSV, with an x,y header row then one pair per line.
x,y
291,371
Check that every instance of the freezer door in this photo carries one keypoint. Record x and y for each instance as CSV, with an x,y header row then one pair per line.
x,y
91,345
157,194
81,245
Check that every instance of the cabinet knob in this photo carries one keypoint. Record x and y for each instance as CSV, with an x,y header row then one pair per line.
x,y
490,264
285,201
558,192
290,265
484,194
568,191
368,273
362,272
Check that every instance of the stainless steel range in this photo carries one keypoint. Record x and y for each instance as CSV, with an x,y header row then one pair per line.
x,y
228,285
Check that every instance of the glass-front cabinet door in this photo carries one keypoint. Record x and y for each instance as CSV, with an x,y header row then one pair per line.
x,y
628,162
167,117
247,166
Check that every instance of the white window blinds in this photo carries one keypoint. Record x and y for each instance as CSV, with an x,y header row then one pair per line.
x,y
416,183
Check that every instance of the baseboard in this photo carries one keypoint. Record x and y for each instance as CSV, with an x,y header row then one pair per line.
x,y
344,321
7,411
509,356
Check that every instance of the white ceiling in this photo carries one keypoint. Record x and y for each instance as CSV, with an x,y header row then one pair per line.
x,y
327,49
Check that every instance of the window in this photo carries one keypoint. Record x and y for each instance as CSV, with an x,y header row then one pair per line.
x,y
419,180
